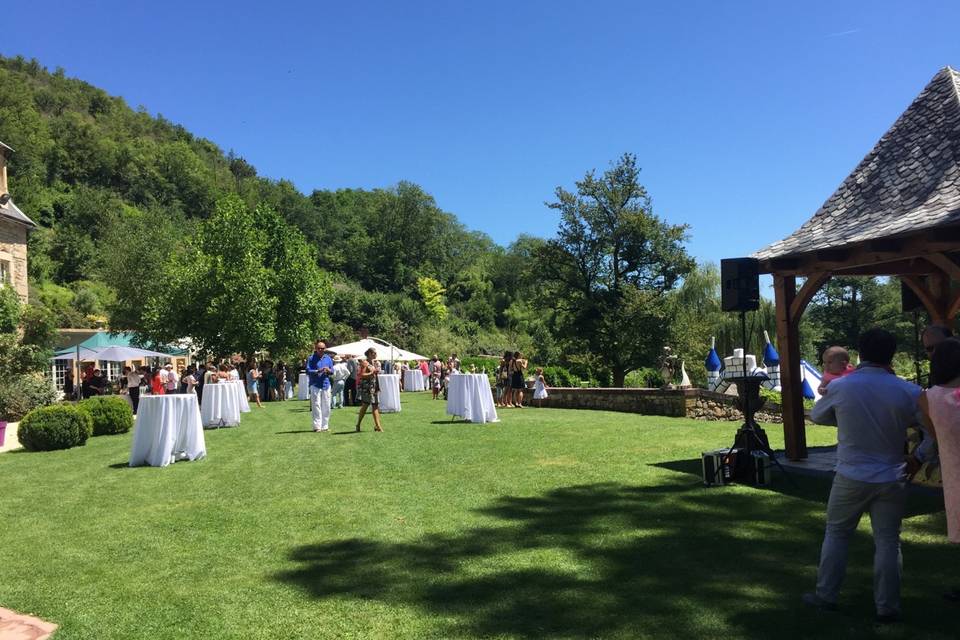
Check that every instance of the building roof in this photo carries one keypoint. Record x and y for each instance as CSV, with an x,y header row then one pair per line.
x,y
10,211
909,181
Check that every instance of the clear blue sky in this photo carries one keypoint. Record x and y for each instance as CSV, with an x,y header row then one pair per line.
x,y
745,116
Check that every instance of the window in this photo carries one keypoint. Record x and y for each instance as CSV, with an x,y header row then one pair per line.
x,y
6,272
60,368
110,370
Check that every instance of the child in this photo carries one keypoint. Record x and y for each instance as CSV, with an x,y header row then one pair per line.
x,y
540,388
836,364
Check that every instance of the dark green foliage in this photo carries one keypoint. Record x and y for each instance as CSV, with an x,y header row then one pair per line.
x,y
610,268
490,364
23,393
110,414
559,377
59,426
9,310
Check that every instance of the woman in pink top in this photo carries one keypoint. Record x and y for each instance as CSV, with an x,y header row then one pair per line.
x,y
941,406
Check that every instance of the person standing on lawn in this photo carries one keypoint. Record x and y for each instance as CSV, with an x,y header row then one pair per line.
x,y
517,381
368,372
872,409
320,369
941,406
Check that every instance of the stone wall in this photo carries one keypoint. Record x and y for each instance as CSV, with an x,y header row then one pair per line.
x,y
699,404
13,249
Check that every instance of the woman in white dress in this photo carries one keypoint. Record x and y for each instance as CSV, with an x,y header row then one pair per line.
x,y
540,388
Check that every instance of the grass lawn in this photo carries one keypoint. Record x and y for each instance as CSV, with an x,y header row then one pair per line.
x,y
552,523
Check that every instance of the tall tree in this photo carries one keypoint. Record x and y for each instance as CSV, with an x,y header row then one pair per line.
x,y
610,267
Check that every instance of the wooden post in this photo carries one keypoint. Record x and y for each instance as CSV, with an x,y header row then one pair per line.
x,y
791,382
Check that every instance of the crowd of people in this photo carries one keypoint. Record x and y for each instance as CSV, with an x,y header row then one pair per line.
x,y
268,381
872,409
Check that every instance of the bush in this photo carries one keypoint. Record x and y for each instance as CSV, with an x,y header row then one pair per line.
x,y
481,363
110,415
777,398
58,427
20,394
559,377
646,378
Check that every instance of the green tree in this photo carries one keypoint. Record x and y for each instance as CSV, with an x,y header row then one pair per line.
x,y
302,290
223,269
431,292
136,256
610,267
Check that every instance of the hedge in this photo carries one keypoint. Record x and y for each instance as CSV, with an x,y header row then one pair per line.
x,y
110,414
56,427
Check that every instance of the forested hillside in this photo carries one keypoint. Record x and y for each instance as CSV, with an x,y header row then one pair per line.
x,y
86,165
117,192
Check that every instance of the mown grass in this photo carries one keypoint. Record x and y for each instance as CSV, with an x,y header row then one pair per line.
x,y
552,523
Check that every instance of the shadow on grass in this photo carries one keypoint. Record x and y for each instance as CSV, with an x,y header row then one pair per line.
x,y
814,487
460,421
670,561
280,433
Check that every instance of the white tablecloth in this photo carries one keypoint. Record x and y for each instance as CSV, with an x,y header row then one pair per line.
x,y
413,380
469,397
303,387
241,391
167,429
389,392
220,406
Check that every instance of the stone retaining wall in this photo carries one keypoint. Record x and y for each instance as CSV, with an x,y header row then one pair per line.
x,y
699,404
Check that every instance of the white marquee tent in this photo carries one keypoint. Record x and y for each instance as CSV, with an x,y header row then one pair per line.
x,y
385,350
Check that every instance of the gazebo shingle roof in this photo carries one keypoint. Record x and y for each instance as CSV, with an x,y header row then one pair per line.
x,y
909,181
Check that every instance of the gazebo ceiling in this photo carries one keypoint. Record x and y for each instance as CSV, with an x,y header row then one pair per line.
x,y
886,210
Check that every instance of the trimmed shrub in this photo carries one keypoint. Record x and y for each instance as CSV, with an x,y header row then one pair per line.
x,y
558,377
60,426
20,394
110,414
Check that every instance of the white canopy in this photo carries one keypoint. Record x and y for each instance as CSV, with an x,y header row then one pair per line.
x,y
385,350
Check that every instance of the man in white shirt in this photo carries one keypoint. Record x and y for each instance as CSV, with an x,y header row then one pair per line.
x,y
170,380
872,408
340,374
133,387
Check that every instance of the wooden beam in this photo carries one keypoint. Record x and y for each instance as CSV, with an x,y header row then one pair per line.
x,y
806,293
832,255
934,306
788,340
912,266
946,264
885,245
867,254
944,234
780,264
953,309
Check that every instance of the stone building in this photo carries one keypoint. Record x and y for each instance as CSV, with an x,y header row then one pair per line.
x,y
14,227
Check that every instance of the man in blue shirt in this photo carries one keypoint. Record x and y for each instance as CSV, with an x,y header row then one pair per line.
x,y
872,409
320,369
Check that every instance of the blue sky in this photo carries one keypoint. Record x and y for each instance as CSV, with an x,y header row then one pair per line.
x,y
745,116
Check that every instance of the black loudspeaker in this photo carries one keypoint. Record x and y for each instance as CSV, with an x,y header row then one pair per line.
x,y
740,284
908,299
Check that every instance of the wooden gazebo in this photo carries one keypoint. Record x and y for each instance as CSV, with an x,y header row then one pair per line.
x,y
897,214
